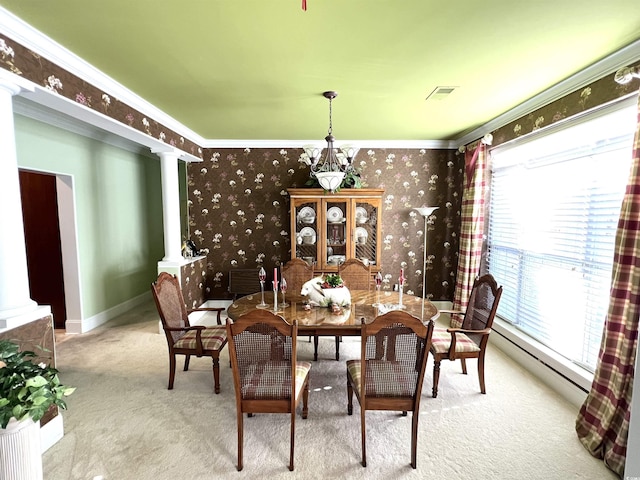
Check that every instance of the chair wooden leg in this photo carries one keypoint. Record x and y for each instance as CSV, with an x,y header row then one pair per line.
x,y
463,361
240,421
187,359
338,340
481,372
172,370
349,398
305,398
414,439
293,435
315,347
364,435
216,375
436,377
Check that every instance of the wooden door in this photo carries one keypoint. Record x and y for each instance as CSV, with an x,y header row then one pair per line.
x,y
42,237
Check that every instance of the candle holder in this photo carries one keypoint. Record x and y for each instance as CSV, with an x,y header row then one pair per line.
x,y
262,276
275,296
400,288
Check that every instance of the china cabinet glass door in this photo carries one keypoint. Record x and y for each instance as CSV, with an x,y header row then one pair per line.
x,y
366,231
306,240
335,217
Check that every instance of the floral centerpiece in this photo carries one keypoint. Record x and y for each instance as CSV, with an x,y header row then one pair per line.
x,y
27,389
327,291
332,280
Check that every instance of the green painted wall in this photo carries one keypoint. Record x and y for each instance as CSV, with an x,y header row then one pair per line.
x,y
118,200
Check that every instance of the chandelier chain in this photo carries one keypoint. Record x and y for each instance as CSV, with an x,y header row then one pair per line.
x,y
330,116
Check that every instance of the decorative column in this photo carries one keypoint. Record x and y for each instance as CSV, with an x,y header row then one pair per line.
x,y
170,206
15,299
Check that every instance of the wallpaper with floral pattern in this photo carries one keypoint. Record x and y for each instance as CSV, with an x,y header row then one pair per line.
x,y
193,278
28,64
602,91
239,211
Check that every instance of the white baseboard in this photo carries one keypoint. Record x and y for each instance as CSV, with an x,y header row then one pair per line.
x,y
82,326
562,385
51,433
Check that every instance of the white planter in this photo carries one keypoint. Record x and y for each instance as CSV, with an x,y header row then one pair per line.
x,y
20,455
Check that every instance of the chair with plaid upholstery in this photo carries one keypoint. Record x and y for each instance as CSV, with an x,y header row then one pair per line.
x,y
390,371
183,338
266,374
467,338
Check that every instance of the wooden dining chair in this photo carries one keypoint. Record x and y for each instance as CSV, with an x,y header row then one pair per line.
x,y
355,274
296,272
183,338
266,374
467,338
390,371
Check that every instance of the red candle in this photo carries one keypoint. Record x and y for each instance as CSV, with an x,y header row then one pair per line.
x,y
275,274
401,279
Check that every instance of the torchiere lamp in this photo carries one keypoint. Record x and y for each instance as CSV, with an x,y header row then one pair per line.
x,y
425,212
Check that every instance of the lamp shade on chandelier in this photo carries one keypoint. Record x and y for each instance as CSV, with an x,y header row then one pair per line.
x,y
331,169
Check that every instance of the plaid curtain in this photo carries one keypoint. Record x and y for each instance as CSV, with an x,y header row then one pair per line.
x,y
472,226
603,422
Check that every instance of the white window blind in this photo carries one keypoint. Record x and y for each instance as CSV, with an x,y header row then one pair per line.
x,y
554,208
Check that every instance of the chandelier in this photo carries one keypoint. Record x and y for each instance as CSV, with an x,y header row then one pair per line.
x,y
330,170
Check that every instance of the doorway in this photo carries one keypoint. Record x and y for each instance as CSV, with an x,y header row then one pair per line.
x,y
50,239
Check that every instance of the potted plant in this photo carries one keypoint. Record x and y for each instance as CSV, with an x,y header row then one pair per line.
x,y
27,391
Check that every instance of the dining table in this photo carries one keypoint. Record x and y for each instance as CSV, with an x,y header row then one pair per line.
x,y
344,321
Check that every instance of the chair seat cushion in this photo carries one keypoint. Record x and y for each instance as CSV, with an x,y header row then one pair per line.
x,y
213,338
384,378
271,380
441,342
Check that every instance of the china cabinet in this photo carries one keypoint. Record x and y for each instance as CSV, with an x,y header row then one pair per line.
x,y
328,228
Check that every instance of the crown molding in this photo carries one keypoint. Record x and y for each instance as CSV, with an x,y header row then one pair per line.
x,y
361,144
608,65
53,109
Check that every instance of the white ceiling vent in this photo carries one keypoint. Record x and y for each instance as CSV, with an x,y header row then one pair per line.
x,y
440,93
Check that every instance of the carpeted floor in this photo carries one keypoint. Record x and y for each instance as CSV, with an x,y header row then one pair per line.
x,y
123,423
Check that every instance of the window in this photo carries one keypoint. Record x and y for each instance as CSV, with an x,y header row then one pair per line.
x,y
554,207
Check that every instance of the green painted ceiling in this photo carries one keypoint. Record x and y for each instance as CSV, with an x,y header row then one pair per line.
x,y
256,69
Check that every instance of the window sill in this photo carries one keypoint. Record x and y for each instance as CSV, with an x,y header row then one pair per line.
x,y
571,380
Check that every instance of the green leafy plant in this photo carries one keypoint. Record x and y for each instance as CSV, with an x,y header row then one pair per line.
x,y
332,280
27,389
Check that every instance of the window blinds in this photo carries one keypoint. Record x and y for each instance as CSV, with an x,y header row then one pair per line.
x,y
554,208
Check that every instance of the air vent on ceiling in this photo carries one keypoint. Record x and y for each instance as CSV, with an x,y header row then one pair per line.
x,y
440,93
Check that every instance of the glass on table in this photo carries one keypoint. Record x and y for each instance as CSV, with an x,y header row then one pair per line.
x,y
378,287
262,276
283,289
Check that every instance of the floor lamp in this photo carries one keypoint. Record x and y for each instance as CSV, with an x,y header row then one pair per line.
x,y
425,212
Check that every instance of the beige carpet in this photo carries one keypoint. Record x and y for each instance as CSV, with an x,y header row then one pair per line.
x,y
123,423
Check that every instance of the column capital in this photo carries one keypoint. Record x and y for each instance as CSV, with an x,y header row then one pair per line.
x,y
168,152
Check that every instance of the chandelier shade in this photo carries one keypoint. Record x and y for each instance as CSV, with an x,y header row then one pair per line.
x,y
331,169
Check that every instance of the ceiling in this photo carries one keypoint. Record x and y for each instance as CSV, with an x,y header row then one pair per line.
x,y
256,69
